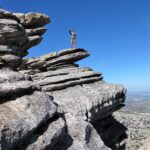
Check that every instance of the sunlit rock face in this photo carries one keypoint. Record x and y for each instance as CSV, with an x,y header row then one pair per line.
x,y
79,91
19,32
50,102
23,107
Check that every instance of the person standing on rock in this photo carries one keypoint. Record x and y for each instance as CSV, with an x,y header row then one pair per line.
x,y
73,38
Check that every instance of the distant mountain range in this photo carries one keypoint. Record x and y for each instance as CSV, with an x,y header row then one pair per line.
x,y
138,102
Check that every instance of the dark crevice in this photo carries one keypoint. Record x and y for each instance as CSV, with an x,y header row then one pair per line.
x,y
88,132
65,140
112,132
32,137
12,96
60,87
73,79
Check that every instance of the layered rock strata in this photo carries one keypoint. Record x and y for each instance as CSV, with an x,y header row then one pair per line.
x,y
50,103
80,92
23,107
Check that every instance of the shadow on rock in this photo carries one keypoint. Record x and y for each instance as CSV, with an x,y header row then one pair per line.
x,y
112,132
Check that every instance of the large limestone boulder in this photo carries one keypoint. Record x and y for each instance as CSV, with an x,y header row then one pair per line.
x,y
83,135
49,136
80,93
32,20
21,117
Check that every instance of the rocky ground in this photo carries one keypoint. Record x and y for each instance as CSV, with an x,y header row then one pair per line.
x,y
138,128
146,145
138,102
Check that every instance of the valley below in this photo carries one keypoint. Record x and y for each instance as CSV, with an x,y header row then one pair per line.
x,y
137,102
135,116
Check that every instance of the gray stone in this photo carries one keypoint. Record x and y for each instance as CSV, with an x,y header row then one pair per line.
x,y
37,31
68,58
8,89
7,76
70,51
84,136
74,76
29,118
22,108
61,86
57,59
6,14
19,118
12,33
11,60
50,138
10,28
32,20
89,103
9,49
38,64
56,67
34,40
15,39
59,72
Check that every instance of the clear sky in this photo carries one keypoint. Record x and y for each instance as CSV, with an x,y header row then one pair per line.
x,y
115,32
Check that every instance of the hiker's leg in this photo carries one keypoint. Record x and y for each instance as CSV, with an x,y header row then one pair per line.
x,y
71,43
74,43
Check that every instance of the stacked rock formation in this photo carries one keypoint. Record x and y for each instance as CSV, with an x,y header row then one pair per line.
x,y
23,107
51,103
79,92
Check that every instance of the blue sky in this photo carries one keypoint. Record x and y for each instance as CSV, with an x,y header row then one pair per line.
x,y
115,32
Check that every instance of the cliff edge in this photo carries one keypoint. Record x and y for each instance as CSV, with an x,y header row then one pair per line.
x,y
49,102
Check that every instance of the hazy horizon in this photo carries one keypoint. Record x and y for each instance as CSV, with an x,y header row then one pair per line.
x,y
116,34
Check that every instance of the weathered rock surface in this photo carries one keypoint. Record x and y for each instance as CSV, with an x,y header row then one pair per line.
x,y
89,101
78,91
60,58
50,103
47,137
23,107
83,135
19,118
32,20
81,93
7,15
